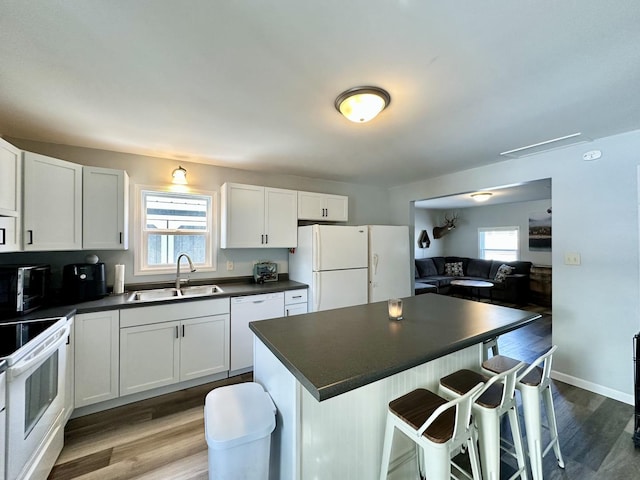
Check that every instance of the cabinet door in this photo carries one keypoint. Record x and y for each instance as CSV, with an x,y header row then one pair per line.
x,y
52,216
242,209
336,208
10,179
9,234
105,203
204,346
311,206
149,356
281,218
96,357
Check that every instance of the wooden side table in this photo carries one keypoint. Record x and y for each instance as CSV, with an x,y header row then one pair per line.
x,y
540,281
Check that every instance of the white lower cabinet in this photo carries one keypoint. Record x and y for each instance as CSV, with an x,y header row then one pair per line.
x,y
295,302
96,357
166,344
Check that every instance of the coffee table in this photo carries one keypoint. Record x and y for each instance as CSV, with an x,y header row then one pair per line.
x,y
470,285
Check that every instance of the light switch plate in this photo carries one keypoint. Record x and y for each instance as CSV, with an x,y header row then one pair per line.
x,y
229,265
572,258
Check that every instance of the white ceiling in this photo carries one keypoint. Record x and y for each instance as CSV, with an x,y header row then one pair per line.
x,y
251,84
524,192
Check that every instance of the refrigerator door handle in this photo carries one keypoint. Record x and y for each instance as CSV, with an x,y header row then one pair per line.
x,y
318,292
375,263
316,250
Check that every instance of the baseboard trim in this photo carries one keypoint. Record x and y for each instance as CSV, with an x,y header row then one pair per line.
x,y
593,387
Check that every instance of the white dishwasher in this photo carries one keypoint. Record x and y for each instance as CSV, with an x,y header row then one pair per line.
x,y
247,309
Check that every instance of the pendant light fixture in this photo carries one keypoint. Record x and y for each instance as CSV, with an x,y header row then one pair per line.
x,y
361,104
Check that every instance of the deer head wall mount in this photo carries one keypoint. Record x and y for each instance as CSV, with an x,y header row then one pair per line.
x,y
449,224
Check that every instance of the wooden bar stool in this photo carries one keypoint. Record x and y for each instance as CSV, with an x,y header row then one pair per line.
x,y
439,427
496,399
533,382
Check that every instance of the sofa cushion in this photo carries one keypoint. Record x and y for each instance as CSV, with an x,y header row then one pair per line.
x,y
503,271
453,269
478,268
425,267
518,267
439,263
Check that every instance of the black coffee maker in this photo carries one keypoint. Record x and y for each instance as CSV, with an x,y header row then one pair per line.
x,y
83,281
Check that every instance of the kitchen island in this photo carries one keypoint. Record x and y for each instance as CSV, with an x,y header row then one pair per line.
x,y
332,374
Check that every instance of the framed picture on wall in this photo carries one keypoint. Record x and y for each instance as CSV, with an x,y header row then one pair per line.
x,y
540,231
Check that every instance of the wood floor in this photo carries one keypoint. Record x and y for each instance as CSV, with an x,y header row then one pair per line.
x,y
163,438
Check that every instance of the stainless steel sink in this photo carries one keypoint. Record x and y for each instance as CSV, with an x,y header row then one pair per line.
x,y
173,293
201,290
156,294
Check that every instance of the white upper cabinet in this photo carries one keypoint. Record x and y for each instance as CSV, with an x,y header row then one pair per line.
x,y
52,209
258,217
105,208
323,206
10,179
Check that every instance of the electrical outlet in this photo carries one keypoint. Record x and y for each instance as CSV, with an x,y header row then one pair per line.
x,y
572,258
229,265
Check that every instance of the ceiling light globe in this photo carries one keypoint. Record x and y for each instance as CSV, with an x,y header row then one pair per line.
x,y
362,104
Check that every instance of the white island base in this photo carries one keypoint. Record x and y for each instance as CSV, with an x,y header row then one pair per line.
x,y
342,437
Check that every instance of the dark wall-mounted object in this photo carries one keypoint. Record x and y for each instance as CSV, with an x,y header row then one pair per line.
x,y
423,239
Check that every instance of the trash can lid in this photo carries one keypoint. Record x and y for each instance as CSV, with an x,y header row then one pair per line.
x,y
238,414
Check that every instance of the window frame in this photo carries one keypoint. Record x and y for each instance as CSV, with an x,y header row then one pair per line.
x,y
141,234
481,249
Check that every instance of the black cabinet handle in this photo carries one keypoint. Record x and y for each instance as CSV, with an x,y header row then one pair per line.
x,y
266,238
183,331
177,332
121,238
4,237
30,232
262,239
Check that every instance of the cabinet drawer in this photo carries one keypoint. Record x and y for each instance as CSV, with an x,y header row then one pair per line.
x,y
132,317
295,296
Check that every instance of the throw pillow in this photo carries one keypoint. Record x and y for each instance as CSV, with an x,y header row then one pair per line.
x,y
453,269
503,271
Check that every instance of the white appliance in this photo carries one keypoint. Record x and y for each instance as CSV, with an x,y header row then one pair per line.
x,y
389,262
247,309
333,261
36,381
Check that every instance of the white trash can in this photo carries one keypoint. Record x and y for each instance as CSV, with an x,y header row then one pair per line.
x,y
238,421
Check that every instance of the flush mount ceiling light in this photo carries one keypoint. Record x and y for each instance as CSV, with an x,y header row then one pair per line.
x,y
481,196
179,176
361,104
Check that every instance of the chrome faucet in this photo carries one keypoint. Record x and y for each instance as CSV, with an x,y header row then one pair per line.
x,y
193,269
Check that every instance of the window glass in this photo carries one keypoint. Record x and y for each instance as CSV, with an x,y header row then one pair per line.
x,y
172,223
499,243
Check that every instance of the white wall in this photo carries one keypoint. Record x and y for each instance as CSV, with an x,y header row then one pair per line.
x,y
367,205
595,213
463,241
426,220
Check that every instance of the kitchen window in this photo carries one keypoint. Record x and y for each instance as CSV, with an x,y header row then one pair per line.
x,y
171,223
499,243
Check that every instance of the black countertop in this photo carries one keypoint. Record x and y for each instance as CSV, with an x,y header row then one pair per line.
x,y
118,302
335,351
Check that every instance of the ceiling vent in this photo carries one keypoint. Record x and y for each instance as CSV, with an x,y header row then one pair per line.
x,y
553,144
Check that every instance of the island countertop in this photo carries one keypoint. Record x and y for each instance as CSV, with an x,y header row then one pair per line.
x,y
336,351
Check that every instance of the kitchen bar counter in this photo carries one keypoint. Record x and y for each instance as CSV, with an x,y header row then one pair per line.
x,y
332,374
335,351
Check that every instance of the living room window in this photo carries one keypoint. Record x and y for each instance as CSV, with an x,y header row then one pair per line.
x,y
499,243
171,223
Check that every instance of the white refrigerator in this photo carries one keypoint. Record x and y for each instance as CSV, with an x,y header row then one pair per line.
x,y
333,261
389,262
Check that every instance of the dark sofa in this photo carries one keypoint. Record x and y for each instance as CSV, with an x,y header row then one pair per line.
x,y
513,288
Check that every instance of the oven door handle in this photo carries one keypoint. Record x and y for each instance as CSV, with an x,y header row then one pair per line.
x,y
39,355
